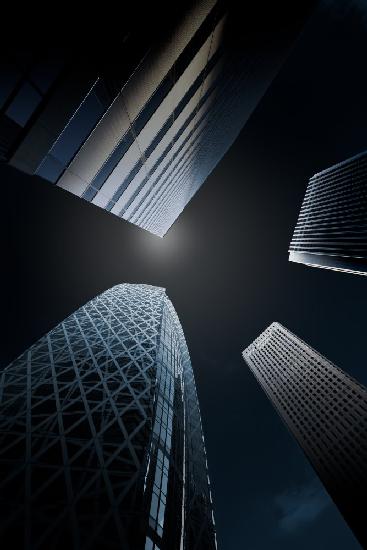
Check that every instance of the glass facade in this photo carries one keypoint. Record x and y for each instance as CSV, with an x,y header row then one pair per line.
x,y
142,147
140,133
78,128
326,411
331,228
25,84
101,443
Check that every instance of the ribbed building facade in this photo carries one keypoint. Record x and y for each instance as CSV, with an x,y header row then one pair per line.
x,y
326,411
140,142
101,444
331,231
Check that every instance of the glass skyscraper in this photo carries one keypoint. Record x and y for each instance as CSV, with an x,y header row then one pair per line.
x,y
140,142
101,443
326,411
332,225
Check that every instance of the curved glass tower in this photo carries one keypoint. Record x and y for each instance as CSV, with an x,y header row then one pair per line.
x,y
101,443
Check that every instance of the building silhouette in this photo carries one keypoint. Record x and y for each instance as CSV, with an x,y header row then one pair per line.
x,y
331,228
137,127
101,444
326,411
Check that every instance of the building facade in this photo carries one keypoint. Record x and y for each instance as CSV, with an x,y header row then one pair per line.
x,y
101,443
326,411
332,225
140,141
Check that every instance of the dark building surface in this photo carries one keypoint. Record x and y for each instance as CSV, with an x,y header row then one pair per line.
x,y
139,137
326,411
101,444
225,266
331,231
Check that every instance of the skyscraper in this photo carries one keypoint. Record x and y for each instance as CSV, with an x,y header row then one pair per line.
x,y
332,225
326,411
101,444
139,138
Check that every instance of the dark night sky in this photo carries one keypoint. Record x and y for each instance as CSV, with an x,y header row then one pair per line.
x,y
225,267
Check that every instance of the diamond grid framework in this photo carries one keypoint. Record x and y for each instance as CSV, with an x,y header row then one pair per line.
x,y
326,411
101,443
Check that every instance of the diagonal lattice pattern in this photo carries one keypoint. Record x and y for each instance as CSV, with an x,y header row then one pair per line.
x,y
95,432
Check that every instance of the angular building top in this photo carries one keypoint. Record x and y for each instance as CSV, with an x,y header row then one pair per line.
x,y
101,443
140,141
331,231
326,411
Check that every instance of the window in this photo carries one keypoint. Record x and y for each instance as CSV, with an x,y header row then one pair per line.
x,y
25,103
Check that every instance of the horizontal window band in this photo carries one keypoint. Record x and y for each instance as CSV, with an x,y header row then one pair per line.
x,y
168,124
343,263
225,80
360,157
160,93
